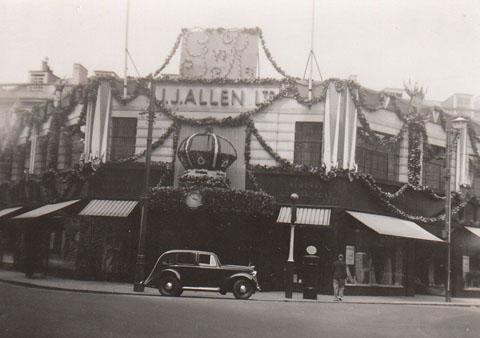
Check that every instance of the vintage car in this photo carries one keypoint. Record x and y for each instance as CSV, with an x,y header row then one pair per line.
x,y
192,270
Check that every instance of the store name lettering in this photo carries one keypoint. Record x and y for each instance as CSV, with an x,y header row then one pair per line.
x,y
213,97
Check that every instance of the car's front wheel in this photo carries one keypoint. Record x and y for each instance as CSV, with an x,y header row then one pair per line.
x,y
242,289
169,286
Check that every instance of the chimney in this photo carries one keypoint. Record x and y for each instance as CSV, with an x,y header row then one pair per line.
x,y
80,74
45,66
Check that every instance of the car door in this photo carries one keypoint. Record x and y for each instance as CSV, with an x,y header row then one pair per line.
x,y
187,266
209,270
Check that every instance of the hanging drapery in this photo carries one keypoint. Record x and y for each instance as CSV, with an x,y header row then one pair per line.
x,y
339,129
97,133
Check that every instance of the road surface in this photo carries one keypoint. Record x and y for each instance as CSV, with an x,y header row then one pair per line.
x,y
30,312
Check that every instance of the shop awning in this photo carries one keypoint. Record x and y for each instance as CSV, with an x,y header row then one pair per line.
x,y
8,211
108,208
391,226
305,216
45,210
473,230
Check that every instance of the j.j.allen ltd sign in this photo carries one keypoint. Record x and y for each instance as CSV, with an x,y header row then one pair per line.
x,y
210,98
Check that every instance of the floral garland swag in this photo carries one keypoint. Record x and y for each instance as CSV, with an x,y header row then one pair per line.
x,y
414,125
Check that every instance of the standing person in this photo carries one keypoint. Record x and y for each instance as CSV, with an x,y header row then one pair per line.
x,y
339,276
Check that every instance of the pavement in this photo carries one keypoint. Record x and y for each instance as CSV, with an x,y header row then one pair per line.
x,y
116,288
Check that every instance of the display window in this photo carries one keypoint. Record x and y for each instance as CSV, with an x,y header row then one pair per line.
x,y
471,270
373,260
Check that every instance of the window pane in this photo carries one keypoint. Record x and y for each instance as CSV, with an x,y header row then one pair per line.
x,y
124,135
204,259
382,162
434,168
308,143
168,259
186,258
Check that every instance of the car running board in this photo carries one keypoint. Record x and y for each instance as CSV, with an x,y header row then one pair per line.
x,y
193,288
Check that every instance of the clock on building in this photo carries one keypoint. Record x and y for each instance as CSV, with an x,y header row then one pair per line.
x,y
193,199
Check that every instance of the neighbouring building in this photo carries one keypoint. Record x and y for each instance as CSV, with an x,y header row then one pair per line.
x,y
229,149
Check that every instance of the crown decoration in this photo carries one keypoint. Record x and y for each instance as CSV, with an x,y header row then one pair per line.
x,y
206,150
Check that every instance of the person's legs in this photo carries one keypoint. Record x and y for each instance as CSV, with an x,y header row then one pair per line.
x,y
335,289
341,288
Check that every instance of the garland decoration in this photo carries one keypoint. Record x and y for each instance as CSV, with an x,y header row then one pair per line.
x,y
216,201
253,180
283,162
256,30
415,142
270,57
141,88
169,57
221,81
173,128
237,121
175,139
202,180
365,131
367,180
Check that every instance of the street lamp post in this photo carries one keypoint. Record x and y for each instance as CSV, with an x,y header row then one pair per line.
x,y
453,133
140,263
290,265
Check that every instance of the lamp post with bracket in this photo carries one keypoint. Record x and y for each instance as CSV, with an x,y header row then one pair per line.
x,y
453,132
290,264
140,262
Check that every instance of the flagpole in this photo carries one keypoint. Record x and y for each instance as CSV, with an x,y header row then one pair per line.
x,y
125,70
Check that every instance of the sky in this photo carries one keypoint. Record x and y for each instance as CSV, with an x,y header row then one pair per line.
x,y
384,43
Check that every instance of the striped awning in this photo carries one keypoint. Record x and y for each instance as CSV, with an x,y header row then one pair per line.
x,y
108,208
305,216
45,210
473,230
392,226
8,211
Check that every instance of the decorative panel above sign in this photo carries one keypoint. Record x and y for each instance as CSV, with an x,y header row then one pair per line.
x,y
219,53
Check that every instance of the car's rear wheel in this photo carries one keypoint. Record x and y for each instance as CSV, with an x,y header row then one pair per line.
x,y
242,288
169,285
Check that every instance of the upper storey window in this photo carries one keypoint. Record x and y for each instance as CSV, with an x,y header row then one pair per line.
x,y
380,161
308,143
124,137
434,168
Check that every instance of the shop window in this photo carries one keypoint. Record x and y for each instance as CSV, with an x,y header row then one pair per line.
x,y
124,137
380,161
378,263
471,270
308,143
434,168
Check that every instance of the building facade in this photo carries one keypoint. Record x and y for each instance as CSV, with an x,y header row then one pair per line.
x,y
369,168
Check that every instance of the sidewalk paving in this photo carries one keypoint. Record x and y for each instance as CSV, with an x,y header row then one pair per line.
x,y
115,288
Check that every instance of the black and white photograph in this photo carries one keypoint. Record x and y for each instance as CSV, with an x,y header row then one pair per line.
x,y
239,168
